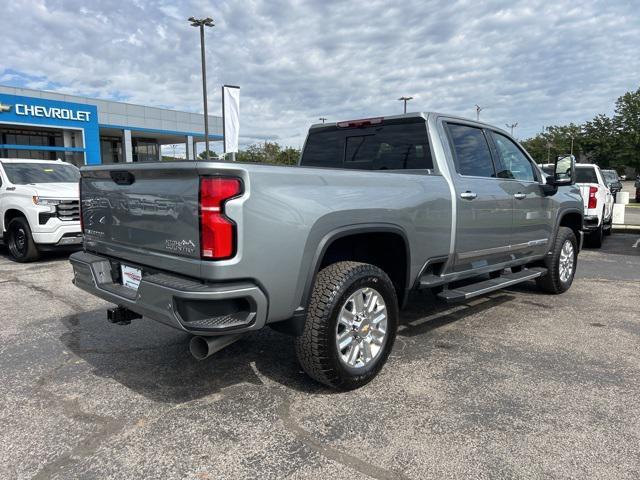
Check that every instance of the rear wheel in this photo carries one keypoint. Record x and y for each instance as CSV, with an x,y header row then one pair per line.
x,y
20,241
350,327
609,229
561,263
597,237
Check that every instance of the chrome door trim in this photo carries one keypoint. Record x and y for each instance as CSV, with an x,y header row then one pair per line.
x,y
506,248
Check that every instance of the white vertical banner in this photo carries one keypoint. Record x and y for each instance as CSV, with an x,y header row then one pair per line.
x,y
230,117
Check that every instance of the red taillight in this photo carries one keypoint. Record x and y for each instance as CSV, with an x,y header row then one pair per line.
x,y
593,201
365,122
217,232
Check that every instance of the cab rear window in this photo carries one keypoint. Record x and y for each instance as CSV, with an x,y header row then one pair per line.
x,y
586,175
400,146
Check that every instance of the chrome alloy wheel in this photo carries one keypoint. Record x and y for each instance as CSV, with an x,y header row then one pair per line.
x,y
567,259
361,329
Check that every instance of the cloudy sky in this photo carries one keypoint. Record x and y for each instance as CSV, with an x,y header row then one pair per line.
x,y
532,62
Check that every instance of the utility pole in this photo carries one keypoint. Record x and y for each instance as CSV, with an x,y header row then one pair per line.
x,y
322,119
405,100
201,23
512,126
478,110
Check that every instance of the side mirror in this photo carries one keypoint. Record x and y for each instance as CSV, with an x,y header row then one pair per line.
x,y
564,170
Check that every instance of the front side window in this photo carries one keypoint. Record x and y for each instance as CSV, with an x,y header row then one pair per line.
x,y
472,154
512,163
26,173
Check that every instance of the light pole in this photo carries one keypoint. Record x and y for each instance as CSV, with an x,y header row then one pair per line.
x,y
572,145
405,100
203,22
322,119
478,110
512,126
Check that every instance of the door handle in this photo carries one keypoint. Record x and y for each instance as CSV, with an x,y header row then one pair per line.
x,y
468,195
520,196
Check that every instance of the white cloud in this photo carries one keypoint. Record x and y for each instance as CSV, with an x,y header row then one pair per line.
x,y
534,62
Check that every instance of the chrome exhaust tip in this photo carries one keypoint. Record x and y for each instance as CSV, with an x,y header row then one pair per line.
x,y
203,347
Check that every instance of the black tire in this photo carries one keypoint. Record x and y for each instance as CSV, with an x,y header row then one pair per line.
x,y
609,229
597,237
20,241
316,348
552,281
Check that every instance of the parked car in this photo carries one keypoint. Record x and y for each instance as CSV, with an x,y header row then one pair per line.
x,y
328,251
39,207
598,202
612,181
637,187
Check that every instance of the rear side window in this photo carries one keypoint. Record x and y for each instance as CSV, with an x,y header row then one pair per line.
x,y
472,154
401,146
586,175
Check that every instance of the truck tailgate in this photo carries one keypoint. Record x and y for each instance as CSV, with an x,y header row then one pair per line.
x,y
155,209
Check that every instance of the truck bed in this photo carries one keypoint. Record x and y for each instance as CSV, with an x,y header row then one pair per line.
x,y
147,214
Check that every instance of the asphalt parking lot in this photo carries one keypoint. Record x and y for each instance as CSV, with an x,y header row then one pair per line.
x,y
516,384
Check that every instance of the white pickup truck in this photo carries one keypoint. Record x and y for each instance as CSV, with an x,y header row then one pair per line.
x,y
39,207
598,202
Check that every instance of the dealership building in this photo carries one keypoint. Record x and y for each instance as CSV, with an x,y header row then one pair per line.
x,y
44,125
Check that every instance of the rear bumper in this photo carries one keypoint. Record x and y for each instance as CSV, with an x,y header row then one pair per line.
x,y
179,302
590,223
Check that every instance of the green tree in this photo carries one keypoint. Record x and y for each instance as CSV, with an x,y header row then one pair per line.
x,y
626,121
609,142
269,152
554,141
601,141
212,155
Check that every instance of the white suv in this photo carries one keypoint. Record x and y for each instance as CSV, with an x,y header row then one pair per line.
x,y
598,202
39,206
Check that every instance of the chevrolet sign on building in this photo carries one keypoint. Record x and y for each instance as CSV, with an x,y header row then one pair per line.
x,y
43,125
52,112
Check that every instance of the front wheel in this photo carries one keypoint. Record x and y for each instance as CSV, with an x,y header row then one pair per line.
x,y
350,327
561,263
20,241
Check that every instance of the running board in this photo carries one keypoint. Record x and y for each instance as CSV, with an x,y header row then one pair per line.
x,y
469,291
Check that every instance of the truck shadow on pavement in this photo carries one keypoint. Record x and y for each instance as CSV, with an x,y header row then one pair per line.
x,y
153,360
50,256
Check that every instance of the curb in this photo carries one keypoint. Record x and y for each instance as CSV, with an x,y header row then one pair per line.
x,y
625,228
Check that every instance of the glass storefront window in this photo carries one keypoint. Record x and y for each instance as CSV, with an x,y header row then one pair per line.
x,y
145,150
111,150
39,137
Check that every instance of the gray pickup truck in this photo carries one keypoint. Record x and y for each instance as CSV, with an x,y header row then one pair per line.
x,y
328,250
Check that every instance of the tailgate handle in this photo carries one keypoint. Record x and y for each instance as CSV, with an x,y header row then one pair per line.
x,y
122,177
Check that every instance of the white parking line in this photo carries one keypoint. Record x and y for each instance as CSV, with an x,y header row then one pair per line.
x,y
635,245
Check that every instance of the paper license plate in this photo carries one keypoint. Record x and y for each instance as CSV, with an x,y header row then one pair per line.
x,y
131,277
